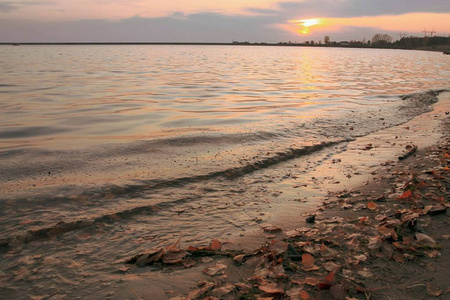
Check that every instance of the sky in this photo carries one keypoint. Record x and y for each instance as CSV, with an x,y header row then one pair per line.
x,y
218,21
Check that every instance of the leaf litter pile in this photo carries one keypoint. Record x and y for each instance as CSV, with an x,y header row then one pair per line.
x,y
388,240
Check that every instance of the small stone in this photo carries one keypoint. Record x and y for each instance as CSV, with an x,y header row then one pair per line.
x,y
311,219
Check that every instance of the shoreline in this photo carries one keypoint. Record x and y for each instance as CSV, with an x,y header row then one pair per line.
x,y
445,48
365,236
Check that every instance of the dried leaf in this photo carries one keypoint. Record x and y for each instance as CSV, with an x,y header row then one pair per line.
x,y
425,239
174,257
304,295
338,292
271,288
270,227
372,206
433,254
215,245
174,247
327,252
360,257
406,195
433,291
239,258
149,258
365,273
387,232
313,281
375,243
215,270
327,282
399,257
278,247
307,260
330,266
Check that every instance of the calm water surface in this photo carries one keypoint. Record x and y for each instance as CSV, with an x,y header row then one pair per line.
x,y
109,150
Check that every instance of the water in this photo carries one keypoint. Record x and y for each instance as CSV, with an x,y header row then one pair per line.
x,y
109,150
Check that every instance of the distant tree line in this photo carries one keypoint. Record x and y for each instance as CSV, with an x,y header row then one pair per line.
x,y
427,41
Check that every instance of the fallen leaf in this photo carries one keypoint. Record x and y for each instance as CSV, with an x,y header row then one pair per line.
x,y
372,206
406,195
308,262
338,292
433,254
215,245
360,257
312,281
215,270
304,295
239,258
327,282
375,243
271,288
174,257
399,257
278,247
149,258
387,232
330,266
270,227
327,252
425,239
365,273
433,291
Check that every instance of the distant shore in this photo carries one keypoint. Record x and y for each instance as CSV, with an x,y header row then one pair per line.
x,y
437,48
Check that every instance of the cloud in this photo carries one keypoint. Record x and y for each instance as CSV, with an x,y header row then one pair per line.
x,y
357,8
199,27
9,6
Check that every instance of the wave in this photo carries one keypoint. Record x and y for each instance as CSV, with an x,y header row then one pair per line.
x,y
133,190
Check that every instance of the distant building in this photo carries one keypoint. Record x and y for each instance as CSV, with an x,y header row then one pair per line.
x,y
344,43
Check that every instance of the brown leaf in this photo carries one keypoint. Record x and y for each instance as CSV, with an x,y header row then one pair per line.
x,y
313,281
406,195
330,266
271,288
365,273
277,247
239,258
174,257
270,227
174,247
433,291
399,257
387,232
215,270
327,252
372,206
338,292
375,243
149,258
425,239
304,295
307,260
215,245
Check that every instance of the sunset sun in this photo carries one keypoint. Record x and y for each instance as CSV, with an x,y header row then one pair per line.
x,y
305,24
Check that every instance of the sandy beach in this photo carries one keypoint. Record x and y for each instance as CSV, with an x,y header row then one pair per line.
x,y
382,237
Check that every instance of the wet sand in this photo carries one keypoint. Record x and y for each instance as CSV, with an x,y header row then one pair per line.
x,y
368,172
